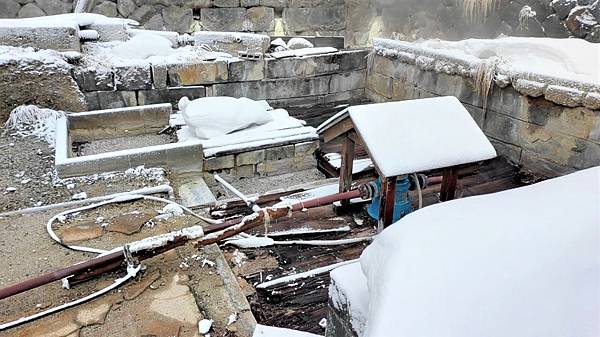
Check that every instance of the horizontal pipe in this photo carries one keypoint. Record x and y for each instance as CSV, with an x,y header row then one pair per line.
x,y
213,233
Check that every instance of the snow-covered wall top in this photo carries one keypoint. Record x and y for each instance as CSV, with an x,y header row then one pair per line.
x,y
566,72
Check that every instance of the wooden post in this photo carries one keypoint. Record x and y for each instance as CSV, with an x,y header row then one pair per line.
x,y
346,168
388,201
449,181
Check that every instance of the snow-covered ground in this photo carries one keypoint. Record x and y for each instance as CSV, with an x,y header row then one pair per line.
x,y
269,331
524,262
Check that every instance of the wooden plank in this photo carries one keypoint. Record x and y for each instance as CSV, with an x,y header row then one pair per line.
x,y
337,130
346,168
388,201
448,189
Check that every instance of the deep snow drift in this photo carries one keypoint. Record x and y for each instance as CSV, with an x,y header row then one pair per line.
x,y
524,262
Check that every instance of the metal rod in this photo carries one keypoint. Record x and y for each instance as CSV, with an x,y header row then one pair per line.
x,y
85,270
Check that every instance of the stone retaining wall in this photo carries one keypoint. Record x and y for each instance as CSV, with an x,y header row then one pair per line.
x,y
545,137
358,20
283,82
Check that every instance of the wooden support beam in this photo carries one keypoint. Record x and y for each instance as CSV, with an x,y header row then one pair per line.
x,y
388,201
346,169
449,182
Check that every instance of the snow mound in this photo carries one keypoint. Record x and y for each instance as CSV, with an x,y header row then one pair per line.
x,y
142,46
211,117
563,58
299,43
348,292
30,120
512,263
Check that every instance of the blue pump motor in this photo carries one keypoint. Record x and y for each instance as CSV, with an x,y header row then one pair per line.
x,y
403,205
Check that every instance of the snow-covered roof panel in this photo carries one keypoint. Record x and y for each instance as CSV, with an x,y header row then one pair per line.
x,y
420,135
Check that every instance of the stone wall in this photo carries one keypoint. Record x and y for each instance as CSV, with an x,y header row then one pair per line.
x,y
547,138
358,20
283,82
445,19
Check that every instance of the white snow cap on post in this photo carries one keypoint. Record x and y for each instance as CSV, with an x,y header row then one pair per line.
x,y
512,263
210,117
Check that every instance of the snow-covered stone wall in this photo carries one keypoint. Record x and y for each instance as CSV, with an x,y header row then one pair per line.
x,y
549,126
358,20
446,19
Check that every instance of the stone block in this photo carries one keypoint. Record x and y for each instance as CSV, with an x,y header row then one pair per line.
x,y
90,79
133,77
91,101
219,163
197,73
225,3
380,84
278,153
315,19
260,19
314,3
305,163
508,151
246,70
116,99
564,96
191,92
275,89
223,19
57,37
249,158
30,10
249,3
306,149
232,42
178,19
316,65
54,7
348,81
274,3
540,166
153,96
159,75
9,9
276,167
245,171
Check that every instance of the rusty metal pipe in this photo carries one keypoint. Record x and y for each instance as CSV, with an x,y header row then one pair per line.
x,y
99,265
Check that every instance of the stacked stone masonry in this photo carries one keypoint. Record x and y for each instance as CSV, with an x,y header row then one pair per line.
x,y
545,134
358,20
283,82
266,161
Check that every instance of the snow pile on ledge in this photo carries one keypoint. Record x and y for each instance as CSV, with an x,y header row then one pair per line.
x,y
48,57
211,117
142,46
565,58
524,262
65,20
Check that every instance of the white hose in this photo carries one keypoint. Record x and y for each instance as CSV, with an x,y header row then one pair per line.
x,y
131,272
419,190
118,199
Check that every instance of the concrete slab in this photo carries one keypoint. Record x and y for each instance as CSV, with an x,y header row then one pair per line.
x,y
195,194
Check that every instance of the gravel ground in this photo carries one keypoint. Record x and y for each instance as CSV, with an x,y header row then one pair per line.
x,y
124,143
28,178
262,185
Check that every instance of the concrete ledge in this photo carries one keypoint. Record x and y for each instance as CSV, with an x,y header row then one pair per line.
x,y
109,123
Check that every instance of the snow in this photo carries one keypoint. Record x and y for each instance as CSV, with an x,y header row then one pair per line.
x,y
64,20
420,135
282,128
359,165
190,233
48,57
317,192
270,331
204,326
348,292
142,46
571,59
211,117
523,262
300,276
298,43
